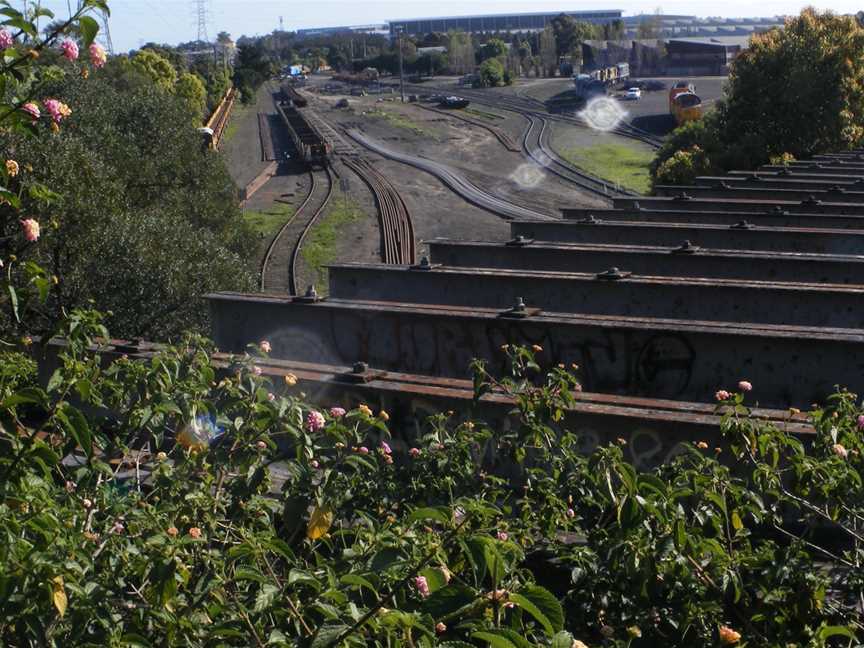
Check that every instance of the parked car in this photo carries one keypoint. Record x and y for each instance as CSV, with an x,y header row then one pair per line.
x,y
454,102
633,94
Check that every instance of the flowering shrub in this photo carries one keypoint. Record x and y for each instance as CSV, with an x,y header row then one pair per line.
x,y
198,506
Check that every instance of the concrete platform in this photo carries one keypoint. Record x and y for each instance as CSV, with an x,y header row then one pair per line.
x,y
776,239
652,357
651,260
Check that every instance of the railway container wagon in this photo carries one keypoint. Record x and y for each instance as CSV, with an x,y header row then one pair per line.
x,y
597,82
311,146
292,97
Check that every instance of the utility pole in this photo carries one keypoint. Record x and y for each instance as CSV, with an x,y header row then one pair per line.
x,y
401,68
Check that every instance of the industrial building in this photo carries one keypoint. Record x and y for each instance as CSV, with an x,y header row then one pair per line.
x,y
497,22
703,56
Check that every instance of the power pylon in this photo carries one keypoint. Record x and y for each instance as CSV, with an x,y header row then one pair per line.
x,y
105,33
200,9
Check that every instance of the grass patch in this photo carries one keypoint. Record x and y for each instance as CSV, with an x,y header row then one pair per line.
x,y
266,222
398,120
238,112
483,114
321,245
619,163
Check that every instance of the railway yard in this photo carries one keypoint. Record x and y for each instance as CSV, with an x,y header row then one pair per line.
x,y
479,233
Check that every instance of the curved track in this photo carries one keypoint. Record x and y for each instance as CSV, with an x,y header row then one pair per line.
x,y
454,181
397,230
535,147
279,268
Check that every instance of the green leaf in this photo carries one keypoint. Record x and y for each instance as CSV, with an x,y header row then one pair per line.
x,y
456,644
76,426
836,631
248,573
447,600
134,640
546,602
534,611
494,640
89,28
680,535
266,597
736,521
13,300
562,640
359,581
437,513
514,637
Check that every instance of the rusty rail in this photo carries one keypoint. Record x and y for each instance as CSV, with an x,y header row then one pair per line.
x,y
221,116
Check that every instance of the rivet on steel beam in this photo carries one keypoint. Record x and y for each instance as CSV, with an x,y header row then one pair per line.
x,y
742,225
722,185
520,241
837,189
590,220
612,274
811,200
359,368
683,196
424,264
519,310
686,248
310,297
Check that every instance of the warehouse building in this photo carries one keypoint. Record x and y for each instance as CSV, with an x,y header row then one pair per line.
x,y
497,22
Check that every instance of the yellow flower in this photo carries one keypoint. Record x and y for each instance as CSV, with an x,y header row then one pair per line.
x,y
634,631
12,168
728,636
383,415
702,445
364,409
290,379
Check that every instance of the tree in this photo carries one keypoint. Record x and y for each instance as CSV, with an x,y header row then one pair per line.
x,y
190,87
818,53
157,68
149,220
570,33
493,48
460,49
548,52
491,73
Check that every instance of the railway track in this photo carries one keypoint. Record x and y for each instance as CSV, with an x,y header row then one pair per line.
x,y
397,230
502,136
279,268
535,147
453,180
221,116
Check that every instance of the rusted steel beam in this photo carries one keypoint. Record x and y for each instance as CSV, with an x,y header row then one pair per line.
x,y
803,173
656,358
614,292
655,429
734,237
689,203
651,260
768,218
791,182
722,190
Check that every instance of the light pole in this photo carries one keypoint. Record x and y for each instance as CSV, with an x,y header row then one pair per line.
x,y
401,67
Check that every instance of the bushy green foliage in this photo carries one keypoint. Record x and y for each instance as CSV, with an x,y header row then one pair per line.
x,y
795,91
491,73
148,220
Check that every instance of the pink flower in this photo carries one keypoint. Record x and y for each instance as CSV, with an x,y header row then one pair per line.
x,y
422,586
256,370
98,56
337,412
414,452
363,450
117,528
745,386
314,421
31,229
271,396
313,463
722,395
32,109
6,39
502,536
57,109
440,628
840,451
571,513
265,346
388,459
385,448
861,422
70,50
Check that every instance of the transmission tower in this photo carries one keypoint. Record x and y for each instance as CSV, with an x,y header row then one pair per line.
x,y
200,9
105,33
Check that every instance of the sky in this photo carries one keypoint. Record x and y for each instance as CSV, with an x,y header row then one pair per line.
x,y
135,22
